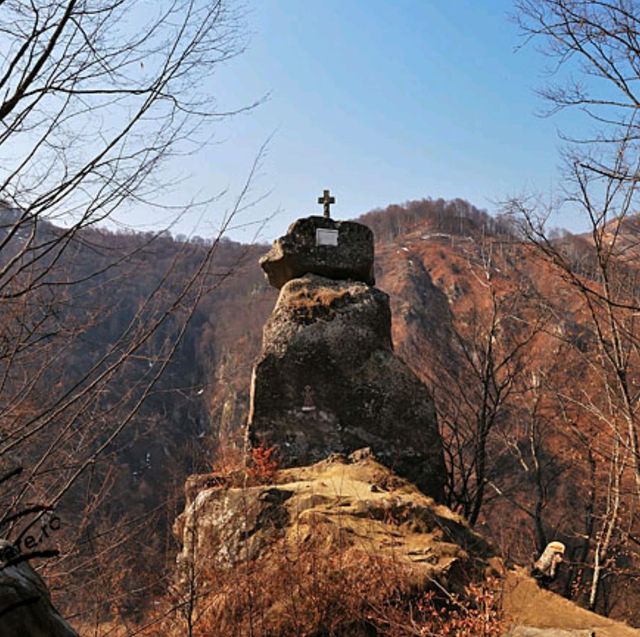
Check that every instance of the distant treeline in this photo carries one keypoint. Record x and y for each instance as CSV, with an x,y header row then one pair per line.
x,y
457,217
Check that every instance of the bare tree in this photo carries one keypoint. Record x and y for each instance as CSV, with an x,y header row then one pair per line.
x,y
475,396
96,96
597,45
594,48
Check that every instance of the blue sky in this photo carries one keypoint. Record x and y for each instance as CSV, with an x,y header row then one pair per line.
x,y
380,101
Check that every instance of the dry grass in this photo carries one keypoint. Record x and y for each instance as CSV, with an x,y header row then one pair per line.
x,y
351,561
324,298
320,588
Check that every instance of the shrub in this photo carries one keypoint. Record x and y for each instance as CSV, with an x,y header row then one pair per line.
x,y
263,464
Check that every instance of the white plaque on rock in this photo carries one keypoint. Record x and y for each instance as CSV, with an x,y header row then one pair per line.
x,y
326,237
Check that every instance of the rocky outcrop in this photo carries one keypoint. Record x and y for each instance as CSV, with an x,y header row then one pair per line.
x,y
316,549
318,245
25,605
355,499
329,381
347,524
349,530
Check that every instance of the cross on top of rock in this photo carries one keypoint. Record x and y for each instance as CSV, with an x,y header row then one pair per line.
x,y
327,200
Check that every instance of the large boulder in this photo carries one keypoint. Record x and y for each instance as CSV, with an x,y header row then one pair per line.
x,y
319,245
25,605
355,500
329,381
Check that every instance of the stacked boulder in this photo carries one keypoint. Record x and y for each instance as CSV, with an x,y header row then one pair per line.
x,y
327,380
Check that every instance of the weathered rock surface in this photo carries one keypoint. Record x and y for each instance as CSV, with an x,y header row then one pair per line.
x,y
354,499
301,252
25,605
314,543
328,381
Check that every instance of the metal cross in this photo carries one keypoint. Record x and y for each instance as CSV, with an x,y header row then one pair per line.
x,y
327,200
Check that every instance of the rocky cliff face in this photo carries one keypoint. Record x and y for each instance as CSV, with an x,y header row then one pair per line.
x,y
327,379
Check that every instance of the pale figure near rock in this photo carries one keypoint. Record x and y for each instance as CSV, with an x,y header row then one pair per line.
x,y
547,564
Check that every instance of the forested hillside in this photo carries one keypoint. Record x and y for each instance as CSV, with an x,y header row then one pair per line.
x,y
110,349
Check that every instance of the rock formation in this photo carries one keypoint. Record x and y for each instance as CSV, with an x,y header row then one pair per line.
x,y
349,520
327,379
237,523
330,248
25,605
334,542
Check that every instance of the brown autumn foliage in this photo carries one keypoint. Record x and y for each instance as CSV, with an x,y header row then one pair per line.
x,y
263,464
303,299
108,560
